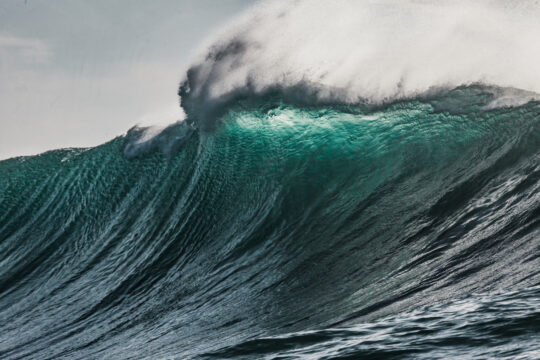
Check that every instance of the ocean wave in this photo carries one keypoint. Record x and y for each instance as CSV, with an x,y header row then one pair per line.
x,y
361,187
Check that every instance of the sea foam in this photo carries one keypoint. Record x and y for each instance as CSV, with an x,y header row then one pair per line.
x,y
366,51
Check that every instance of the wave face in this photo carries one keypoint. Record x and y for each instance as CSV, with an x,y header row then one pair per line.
x,y
329,231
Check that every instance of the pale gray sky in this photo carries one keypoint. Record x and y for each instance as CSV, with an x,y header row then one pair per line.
x,y
79,72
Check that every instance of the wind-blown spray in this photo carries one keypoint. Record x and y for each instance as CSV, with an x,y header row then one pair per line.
x,y
366,51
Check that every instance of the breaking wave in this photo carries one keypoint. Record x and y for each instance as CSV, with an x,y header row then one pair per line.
x,y
351,179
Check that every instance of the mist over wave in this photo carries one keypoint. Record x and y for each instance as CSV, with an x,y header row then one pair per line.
x,y
366,51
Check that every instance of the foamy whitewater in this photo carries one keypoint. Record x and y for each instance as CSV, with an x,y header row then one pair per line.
x,y
352,179
367,51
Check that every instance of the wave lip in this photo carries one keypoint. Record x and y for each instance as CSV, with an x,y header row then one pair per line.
x,y
378,52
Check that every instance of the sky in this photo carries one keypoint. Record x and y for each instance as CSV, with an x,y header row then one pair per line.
x,y
76,73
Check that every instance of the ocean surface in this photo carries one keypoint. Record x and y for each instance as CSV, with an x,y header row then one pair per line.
x,y
285,230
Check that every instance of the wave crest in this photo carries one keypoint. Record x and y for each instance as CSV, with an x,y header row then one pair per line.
x,y
378,52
